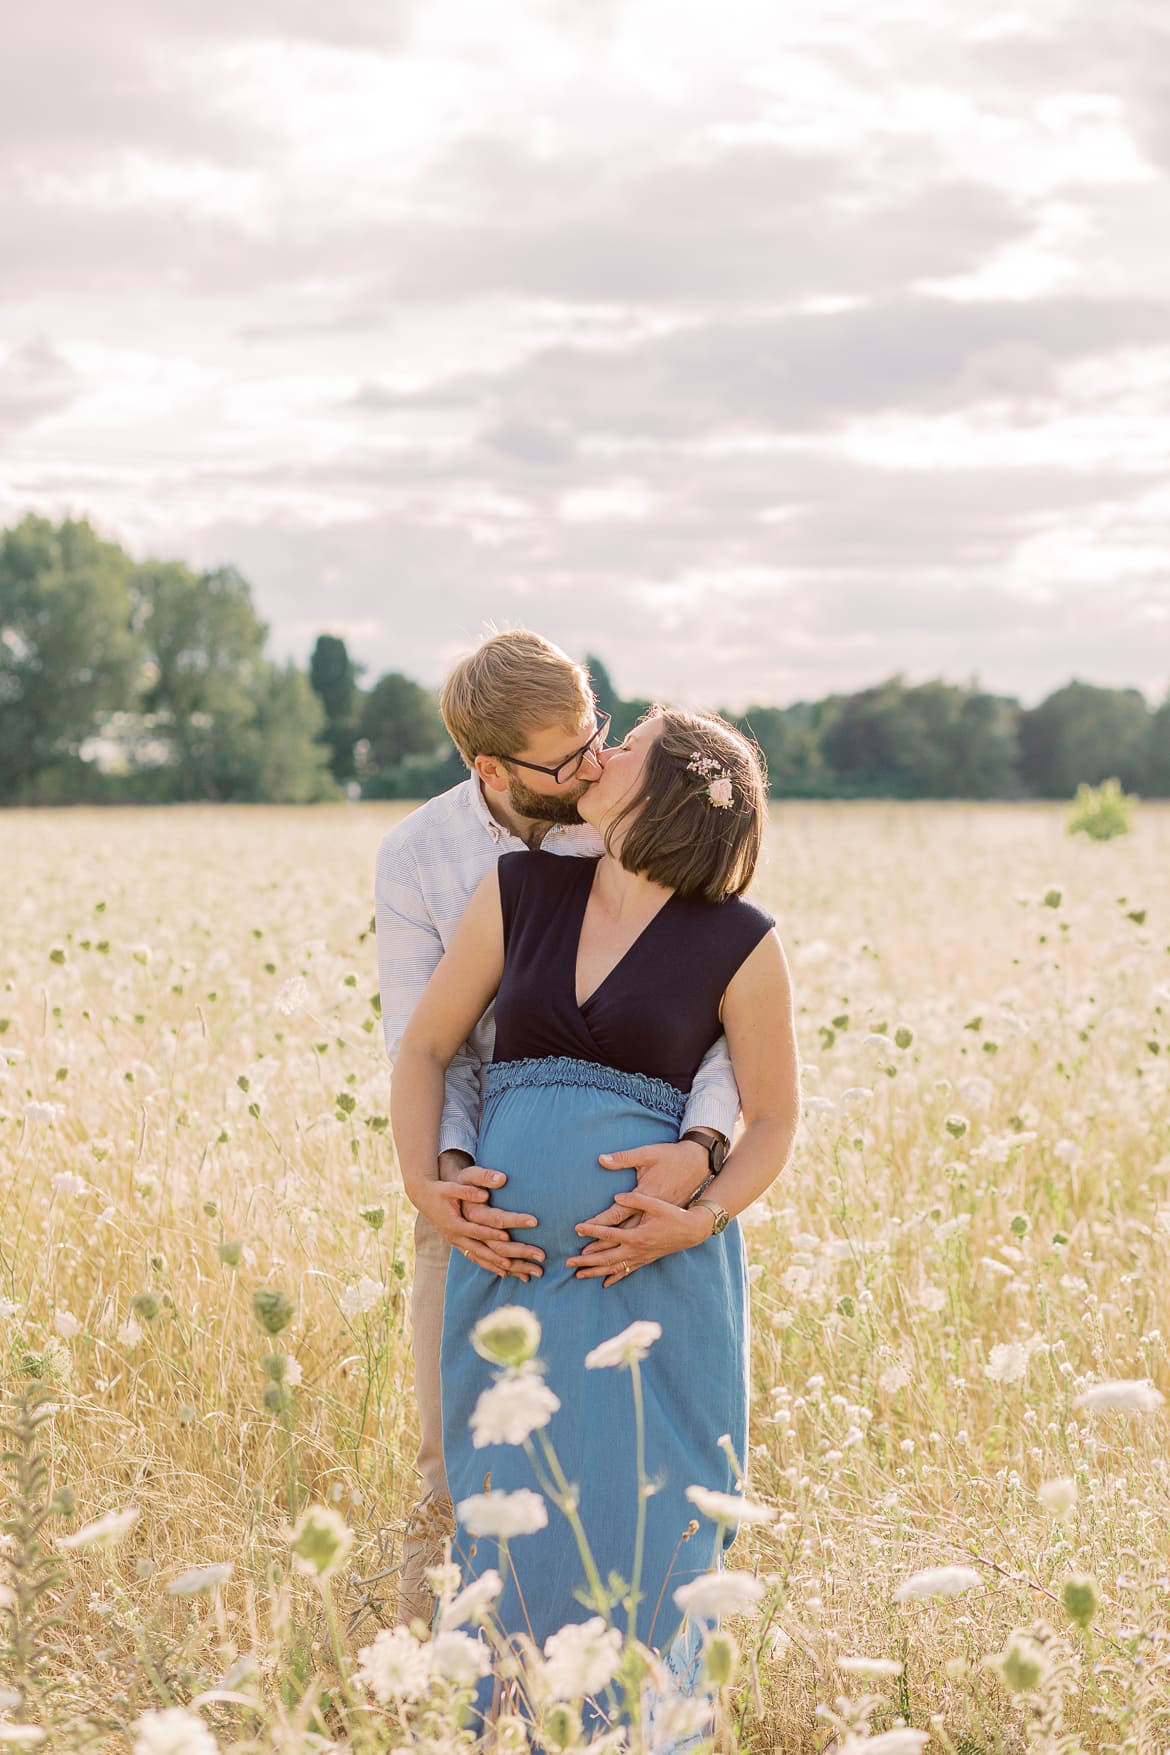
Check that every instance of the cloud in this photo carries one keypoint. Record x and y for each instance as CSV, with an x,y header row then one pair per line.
x,y
804,372
35,381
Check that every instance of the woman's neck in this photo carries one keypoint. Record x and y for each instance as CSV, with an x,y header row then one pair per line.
x,y
622,893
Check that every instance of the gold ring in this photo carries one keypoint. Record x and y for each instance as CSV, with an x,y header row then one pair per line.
x,y
626,1267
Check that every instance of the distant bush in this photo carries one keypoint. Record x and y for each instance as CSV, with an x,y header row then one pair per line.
x,y
1102,811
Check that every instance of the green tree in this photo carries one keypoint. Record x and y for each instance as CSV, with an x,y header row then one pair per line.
x,y
206,676
934,740
1082,734
790,747
399,719
334,675
68,652
293,765
1158,764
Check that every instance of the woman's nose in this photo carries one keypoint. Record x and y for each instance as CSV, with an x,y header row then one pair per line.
x,y
592,764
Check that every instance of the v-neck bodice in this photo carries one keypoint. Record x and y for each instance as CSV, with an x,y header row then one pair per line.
x,y
656,1012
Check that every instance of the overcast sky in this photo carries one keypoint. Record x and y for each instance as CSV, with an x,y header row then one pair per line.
x,y
764,350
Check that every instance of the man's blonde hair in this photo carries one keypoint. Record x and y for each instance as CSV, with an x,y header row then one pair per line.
x,y
511,686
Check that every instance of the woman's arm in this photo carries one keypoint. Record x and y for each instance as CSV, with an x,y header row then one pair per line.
x,y
760,1028
455,998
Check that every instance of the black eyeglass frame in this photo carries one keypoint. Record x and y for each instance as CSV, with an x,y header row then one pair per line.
x,y
571,763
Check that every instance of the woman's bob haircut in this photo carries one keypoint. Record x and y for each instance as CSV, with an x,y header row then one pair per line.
x,y
673,831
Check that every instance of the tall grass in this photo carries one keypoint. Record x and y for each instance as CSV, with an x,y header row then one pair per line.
x,y
975,1230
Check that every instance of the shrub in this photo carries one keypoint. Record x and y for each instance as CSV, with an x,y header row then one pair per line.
x,y
1102,811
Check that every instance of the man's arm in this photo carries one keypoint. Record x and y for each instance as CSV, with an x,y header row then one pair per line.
x,y
714,1098
409,951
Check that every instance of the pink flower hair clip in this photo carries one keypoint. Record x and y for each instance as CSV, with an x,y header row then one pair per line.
x,y
719,791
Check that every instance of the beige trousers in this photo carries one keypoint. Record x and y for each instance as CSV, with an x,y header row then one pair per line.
x,y
431,1253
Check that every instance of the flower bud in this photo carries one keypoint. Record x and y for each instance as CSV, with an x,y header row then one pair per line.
x,y
230,1253
375,1217
508,1336
1021,1664
145,1305
562,1727
1079,1597
720,1660
321,1540
273,1310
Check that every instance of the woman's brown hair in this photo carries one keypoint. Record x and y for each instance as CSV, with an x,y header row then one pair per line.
x,y
675,831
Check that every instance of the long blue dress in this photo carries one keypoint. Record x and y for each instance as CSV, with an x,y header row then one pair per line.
x,y
567,1083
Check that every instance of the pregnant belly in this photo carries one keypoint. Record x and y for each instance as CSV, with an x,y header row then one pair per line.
x,y
547,1140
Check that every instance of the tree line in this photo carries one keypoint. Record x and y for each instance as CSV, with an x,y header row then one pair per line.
x,y
148,682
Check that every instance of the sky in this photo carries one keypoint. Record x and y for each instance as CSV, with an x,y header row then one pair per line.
x,y
765,351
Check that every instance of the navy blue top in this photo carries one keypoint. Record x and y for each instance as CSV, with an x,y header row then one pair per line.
x,y
656,1012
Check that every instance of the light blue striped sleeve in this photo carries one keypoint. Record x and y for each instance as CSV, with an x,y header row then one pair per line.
x,y
714,1098
409,950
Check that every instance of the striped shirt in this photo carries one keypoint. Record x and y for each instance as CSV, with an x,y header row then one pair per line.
x,y
428,868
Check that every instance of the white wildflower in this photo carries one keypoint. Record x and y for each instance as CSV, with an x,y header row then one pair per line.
x,y
976,1092
1122,1395
504,1515
362,1296
474,1601
1058,1495
937,1581
9,1697
869,1666
952,1227
21,1736
173,1731
582,1658
1007,1362
8,1309
511,1410
932,1299
290,1371
293,996
893,1378
459,1658
103,1531
856,1097
68,1182
396,1666
67,1326
130,1334
630,1346
728,1507
507,1336
902,1741
200,1578
43,1113
720,1593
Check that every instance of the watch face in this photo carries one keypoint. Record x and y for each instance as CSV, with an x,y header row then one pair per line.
x,y
721,1223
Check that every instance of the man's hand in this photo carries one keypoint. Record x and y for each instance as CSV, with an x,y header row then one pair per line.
x,y
663,1228
671,1170
463,1215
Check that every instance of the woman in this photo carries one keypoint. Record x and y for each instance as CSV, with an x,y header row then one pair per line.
x,y
611,978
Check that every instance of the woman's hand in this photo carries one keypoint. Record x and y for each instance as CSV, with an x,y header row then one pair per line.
x,y
661,1229
460,1211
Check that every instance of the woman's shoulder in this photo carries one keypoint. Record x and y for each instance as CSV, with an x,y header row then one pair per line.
x,y
548,870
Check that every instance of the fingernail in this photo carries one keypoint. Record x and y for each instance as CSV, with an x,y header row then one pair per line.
x,y
605,1158
496,1179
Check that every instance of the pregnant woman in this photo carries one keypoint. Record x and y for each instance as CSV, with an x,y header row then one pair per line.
x,y
611,979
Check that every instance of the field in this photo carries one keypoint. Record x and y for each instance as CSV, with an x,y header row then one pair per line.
x,y
974,1232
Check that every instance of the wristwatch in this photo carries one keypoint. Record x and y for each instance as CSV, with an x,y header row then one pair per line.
x,y
713,1144
722,1219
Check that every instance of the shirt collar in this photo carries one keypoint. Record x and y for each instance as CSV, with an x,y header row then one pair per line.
x,y
573,833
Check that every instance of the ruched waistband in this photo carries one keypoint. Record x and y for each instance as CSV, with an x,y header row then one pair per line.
x,y
664,1099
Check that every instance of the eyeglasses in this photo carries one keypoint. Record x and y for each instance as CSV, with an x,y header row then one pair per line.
x,y
568,769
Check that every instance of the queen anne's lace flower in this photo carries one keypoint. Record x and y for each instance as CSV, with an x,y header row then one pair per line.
x,y
396,1666
1121,1395
937,1581
728,1507
173,1731
362,1296
632,1344
504,1515
511,1410
474,1601
103,1531
459,1658
581,1658
720,1593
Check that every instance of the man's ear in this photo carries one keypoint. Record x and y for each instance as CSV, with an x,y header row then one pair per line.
x,y
491,773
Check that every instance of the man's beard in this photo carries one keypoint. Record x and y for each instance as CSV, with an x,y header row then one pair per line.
x,y
543,807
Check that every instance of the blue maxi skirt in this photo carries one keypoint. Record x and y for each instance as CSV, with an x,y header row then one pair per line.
x,y
544,1124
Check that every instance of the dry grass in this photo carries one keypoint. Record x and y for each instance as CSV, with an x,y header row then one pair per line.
x,y
998,1182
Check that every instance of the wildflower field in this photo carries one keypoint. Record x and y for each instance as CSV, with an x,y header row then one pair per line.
x,y
959,1301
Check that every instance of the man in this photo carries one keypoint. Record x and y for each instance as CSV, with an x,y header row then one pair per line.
x,y
522,716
